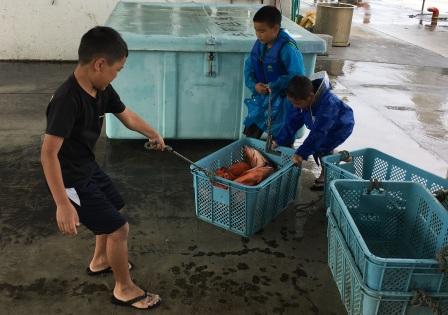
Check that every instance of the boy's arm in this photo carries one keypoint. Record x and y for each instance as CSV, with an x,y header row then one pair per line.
x,y
132,121
66,215
249,75
295,122
322,124
292,60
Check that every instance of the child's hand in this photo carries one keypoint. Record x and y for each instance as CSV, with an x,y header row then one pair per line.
x,y
297,160
67,219
274,144
261,88
157,142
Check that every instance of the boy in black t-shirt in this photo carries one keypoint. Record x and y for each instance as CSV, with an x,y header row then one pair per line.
x,y
81,190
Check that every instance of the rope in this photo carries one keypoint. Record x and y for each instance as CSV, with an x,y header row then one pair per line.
x,y
374,184
421,299
442,258
441,194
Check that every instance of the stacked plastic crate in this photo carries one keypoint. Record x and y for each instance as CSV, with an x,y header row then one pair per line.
x,y
387,234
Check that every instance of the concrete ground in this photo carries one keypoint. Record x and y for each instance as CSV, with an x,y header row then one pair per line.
x,y
398,92
196,267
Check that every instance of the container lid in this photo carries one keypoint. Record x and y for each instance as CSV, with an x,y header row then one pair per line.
x,y
196,27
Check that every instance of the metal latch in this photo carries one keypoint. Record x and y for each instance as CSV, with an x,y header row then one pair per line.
x,y
211,41
211,64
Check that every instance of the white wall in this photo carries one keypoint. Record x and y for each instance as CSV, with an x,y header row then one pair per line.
x,y
51,29
48,29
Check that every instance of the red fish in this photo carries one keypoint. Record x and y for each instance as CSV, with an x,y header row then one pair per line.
x,y
252,171
255,176
224,173
239,168
254,157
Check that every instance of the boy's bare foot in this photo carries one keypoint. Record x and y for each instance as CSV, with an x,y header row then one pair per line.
x,y
135,297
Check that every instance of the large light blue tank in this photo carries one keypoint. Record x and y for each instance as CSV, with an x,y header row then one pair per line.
x,y
184,73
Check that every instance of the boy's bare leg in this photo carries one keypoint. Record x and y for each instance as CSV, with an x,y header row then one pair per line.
x,y
99,260
117,256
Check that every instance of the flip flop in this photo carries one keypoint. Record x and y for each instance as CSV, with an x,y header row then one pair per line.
x,y
129,303
105,270
317,186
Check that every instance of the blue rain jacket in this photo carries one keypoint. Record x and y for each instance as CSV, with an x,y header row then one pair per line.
x,y
329,120
279,64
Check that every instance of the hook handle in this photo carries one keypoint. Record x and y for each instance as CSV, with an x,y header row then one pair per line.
x,y
151,145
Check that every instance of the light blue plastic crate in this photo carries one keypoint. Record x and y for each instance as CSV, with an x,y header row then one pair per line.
x,y
373,164
238,208
357,298
394,235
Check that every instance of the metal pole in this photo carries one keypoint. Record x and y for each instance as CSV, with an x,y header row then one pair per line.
x,y
150,146
421,12
295,6
292,10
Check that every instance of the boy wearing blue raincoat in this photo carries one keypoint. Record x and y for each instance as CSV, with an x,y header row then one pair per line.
x,y
329,120
273,61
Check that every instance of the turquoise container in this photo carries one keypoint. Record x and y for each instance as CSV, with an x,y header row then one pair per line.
x,y
394,234
370,163
359,299
184,73
238,208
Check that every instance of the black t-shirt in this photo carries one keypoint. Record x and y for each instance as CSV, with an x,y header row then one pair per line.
x,y
76,116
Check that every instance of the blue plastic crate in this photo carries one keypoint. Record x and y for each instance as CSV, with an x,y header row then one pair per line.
x,y
358,298
394,235
239,208
373,164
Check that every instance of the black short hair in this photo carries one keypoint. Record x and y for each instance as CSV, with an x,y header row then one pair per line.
x,y
299,88
102,41
269,15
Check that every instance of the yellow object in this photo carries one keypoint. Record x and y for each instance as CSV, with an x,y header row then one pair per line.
x,y
303,21
309,19
309,24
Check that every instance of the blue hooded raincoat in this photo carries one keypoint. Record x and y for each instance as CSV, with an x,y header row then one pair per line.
x,y
329,120
274,66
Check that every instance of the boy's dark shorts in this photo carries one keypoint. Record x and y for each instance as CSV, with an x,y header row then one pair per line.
x,y
100,203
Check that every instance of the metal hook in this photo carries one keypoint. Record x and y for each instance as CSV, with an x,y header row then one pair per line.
x,y
374,184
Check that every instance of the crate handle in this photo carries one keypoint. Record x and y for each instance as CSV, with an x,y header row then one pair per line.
x,y
421,299
344,156
375,184
441,257
441,194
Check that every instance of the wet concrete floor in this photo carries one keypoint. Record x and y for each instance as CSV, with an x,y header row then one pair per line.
x,y
414,98
196,267
395,82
